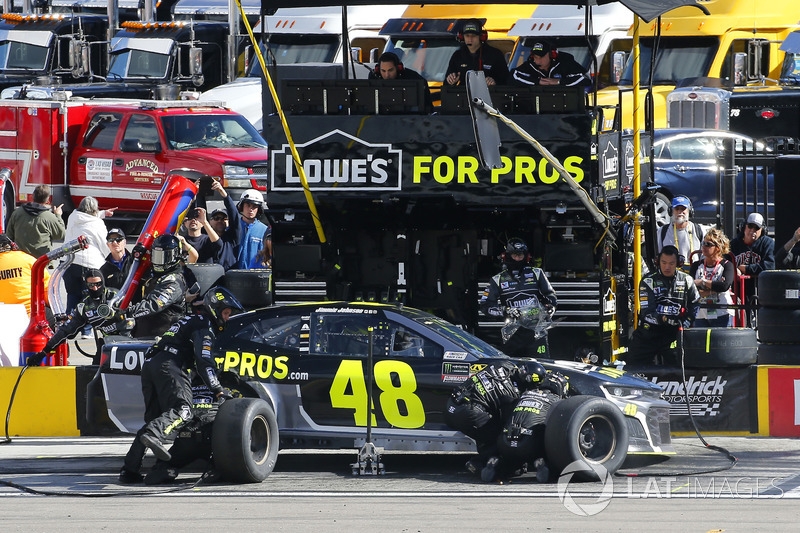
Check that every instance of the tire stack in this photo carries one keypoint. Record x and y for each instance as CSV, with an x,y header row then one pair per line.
x,y
251,287
778,321
719,347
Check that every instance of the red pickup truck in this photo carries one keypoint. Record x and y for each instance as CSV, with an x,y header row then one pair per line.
x,y
120,152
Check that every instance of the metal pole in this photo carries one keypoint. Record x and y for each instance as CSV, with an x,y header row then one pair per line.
x,y
369,388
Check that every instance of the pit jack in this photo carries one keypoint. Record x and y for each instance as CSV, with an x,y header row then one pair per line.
x,y
369,456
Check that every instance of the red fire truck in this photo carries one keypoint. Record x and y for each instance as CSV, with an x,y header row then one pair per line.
x,y
120,152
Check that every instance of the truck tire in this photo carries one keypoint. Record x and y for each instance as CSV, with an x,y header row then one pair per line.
x,y
719,347
778,325
251,287
779,288
779,354
244,440
207,274
589,430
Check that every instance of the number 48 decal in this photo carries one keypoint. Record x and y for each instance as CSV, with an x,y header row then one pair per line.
x,y
349,391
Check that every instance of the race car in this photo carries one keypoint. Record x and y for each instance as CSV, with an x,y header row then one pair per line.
x,y
308,368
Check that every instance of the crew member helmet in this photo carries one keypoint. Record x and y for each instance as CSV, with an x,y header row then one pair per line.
x,y
516,246
165,253
216,300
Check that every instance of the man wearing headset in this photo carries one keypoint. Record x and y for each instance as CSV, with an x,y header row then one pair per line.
x,y
548,66
389,67
681,233
669,301
475,54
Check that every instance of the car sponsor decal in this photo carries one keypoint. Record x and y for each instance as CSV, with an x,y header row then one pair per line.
x,y
259,366
454,356
455,372
98,169
398,401
477,367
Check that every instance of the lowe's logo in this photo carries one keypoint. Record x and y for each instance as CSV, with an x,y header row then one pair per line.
x,y
338,161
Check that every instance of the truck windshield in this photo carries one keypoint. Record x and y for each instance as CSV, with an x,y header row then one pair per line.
x,y
190,132
678,58
429,57
290,49
128,63
576,46
24,56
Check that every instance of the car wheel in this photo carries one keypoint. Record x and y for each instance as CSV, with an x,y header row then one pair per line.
x,y
663,206
245,440
719,347
779,354
589,430
778,324
779,288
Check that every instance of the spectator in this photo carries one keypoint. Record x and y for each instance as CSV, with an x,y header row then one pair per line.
x,y
114,267
475,54
713,276
228,228
254,232
681,233
390,67
548,66
788,255
753,251
85,220
35,225
669,301
193,225
15,274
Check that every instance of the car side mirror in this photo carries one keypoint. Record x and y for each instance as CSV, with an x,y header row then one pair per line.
x,y
355,54
739,75
78,58
195,62
618,60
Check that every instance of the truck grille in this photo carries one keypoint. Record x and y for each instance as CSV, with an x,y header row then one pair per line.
x,y
698,107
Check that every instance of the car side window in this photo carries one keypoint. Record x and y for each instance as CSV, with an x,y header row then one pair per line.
x,y
346,334
407,343
691,149
102,131
142,129
283,332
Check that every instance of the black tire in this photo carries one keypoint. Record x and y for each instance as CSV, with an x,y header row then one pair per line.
x,y
779,354
778,325
719,347
587,429
251,287
663,205
245,440
779,288
207,274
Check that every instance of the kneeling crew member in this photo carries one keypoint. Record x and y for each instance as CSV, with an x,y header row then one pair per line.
x,y
165,378
669,301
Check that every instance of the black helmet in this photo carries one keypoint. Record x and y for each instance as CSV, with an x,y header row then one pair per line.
x,y
516,246
218,299
94,273
165,253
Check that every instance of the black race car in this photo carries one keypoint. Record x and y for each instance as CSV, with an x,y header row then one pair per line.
x,y
307,367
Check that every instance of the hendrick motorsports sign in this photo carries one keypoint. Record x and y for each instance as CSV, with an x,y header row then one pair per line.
x,y
338,161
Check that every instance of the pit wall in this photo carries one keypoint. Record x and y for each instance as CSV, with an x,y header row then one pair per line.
x,y
759,400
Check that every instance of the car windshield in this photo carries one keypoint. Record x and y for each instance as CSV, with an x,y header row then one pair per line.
x,y
458,336
429,57
678,59
23,56
190,132
130,63
291,49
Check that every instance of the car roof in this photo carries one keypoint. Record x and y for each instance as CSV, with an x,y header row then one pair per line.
x,y
664,134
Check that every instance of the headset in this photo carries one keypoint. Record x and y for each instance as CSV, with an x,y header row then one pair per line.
x,y
691,207
388,57
484,35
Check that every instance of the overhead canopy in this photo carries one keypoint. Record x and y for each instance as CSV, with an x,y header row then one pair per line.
x,y
646,9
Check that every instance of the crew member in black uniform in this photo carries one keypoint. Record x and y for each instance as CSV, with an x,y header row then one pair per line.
x,y
548,66
165,378
475,54
519,285
389,67
93,310
669,300
164,294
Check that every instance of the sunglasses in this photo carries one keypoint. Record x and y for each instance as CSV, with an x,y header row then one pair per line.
x,y
754,226
219,218
709,244
94,284
117,240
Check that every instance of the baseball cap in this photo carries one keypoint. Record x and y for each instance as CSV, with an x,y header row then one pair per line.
x,y
757,219
219,212
541,48
471,26
115,231
681,201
